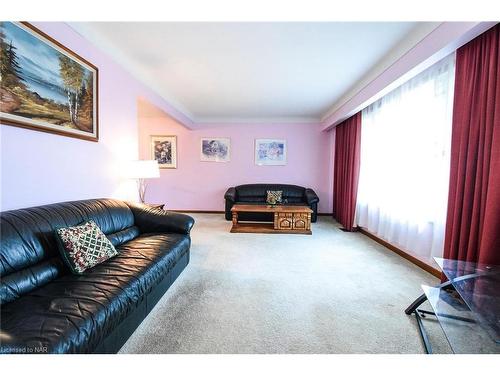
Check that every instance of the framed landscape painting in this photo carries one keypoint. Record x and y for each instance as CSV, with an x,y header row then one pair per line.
x,y
164,150
215,149
270,152
45,86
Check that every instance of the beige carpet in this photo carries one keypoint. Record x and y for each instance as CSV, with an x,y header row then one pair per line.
x,y
332,292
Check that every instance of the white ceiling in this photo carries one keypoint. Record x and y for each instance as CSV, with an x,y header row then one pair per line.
x,y
239,72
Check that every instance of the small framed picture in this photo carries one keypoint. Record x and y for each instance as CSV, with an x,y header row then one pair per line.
x,y
270,152
215,149
164,150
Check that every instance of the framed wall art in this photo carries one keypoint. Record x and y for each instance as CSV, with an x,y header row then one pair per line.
x,y
164,150
44,85
215,149
270,152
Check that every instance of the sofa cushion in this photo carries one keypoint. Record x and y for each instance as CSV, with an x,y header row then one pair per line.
x,y
84,246
274,196
74,313
295,201
249,191
28,243
256,200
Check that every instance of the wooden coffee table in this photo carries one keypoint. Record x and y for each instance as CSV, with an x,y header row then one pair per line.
x,y
287,219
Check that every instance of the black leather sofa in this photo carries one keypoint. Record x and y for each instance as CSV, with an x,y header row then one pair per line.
x,y
257,194
46,309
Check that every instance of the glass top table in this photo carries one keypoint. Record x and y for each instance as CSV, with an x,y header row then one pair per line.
x,y
467,306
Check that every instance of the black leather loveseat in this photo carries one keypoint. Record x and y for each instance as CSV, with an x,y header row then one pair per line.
x,y
47,309
257,194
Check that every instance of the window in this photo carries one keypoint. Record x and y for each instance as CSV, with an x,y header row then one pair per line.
x,y
405,162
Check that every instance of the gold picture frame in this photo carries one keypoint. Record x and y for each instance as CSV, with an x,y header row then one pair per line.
x,y
164,150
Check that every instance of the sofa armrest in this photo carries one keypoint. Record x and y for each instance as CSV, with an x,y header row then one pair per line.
x,y
311,196
230,194
154,220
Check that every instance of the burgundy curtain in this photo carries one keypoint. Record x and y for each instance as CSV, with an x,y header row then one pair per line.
x,y
346,170
473,221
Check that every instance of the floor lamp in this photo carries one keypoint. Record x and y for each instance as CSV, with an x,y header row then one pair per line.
x,y
142,170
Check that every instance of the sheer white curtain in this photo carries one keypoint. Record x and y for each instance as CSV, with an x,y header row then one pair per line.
x,y
405,162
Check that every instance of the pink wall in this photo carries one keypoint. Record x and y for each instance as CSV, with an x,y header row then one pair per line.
x,y
197,185
39,168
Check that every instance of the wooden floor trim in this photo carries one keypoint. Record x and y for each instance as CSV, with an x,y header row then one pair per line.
x,y
433,271
222,212
198,211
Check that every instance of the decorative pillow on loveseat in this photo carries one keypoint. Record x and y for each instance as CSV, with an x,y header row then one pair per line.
x,y
84,246
274,197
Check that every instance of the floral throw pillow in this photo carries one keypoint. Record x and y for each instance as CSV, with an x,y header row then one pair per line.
x,y
274,197
84,246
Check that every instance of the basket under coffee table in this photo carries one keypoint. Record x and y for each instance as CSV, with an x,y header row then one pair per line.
x,y
287,219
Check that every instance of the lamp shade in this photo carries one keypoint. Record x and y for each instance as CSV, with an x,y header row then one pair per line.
x,y
143,169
